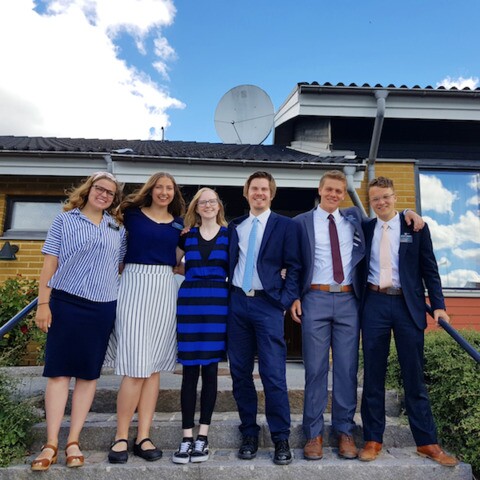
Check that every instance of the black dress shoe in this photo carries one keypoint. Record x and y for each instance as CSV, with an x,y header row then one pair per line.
x,y
150,455
249,447
118,457
283,455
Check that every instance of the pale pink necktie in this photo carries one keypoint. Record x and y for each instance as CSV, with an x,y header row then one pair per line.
x,y
385,259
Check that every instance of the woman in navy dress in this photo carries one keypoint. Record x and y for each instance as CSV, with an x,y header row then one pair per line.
x,y
144,343
76,306
202,309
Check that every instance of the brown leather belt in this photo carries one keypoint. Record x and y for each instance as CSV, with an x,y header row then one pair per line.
x,y
386,291
331,288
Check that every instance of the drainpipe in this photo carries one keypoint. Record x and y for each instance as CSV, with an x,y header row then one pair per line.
x,y
108,159
349,172
381,96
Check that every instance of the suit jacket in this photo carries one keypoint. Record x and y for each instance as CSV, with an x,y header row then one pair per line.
x,y
417,268
307,246
279,249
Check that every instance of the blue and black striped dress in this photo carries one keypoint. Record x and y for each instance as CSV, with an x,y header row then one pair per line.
x,y
202,304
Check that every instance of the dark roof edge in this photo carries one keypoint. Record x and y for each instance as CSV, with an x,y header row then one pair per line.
x,y
402,90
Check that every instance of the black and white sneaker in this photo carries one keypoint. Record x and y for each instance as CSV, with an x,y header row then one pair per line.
x,y
182,455
200,451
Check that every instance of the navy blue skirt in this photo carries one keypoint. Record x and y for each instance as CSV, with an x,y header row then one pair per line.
x,y
78,338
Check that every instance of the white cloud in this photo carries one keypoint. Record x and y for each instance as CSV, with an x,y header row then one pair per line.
x,y
454,235
459,278
467,253
475,201
64,75
435,196
460,82
444,262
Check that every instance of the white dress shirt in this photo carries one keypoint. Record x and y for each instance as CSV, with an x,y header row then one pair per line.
x,y
394,236
243,231
323,265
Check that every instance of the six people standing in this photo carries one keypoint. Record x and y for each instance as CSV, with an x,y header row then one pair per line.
x,y
322,253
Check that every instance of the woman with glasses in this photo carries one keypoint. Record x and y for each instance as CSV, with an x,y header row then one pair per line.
x,y
202,309
76,306
144,341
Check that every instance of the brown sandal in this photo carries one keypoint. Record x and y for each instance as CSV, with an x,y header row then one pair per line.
x,y
74,460
42,464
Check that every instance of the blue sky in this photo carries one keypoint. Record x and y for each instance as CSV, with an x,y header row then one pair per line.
x,y
125,68
450,206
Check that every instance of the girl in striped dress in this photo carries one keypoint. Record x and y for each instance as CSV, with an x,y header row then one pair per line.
x,y
76,306
143,343
202,309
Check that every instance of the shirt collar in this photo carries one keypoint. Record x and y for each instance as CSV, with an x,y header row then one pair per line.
x,y
323,214
262,218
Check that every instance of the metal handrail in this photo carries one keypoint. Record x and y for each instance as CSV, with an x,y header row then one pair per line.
x,y
469,348
4,329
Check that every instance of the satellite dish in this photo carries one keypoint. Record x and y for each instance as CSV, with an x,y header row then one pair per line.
x,y
244,115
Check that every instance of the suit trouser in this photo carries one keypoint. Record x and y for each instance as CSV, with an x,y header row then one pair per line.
x,y
382,314
255,326
329,320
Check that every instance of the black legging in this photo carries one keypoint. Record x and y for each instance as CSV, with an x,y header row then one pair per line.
x,y
208,395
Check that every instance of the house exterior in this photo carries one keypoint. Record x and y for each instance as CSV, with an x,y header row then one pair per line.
x,y
414,135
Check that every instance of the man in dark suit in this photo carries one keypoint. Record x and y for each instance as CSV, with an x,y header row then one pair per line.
x,y
262,243
328,311
400,264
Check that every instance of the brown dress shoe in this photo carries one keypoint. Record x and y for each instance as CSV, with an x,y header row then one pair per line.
x,y
435,453
313,448
370,451
346,446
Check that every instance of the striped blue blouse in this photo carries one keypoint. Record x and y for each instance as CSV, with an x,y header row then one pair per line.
x,y
88,255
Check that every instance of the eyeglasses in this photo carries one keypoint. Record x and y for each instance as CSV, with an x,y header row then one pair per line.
x,y
383,197
102,190
204,203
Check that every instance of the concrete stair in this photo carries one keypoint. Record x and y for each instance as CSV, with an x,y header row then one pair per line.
x,y
397,461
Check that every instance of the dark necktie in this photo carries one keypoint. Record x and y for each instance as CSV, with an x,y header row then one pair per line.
x,y
338,275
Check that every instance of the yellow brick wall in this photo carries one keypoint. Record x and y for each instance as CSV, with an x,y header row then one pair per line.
x,y
29,257
403,176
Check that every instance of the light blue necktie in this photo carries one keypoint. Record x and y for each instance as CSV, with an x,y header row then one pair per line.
x,y
252,240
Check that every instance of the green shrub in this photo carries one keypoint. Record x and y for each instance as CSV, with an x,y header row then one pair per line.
x,y
16,419
453,382
15,294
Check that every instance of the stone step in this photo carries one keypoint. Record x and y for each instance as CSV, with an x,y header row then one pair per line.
x,y
99,431
392,464
32,385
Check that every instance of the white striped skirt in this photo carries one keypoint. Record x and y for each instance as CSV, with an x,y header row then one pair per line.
x,y
144,338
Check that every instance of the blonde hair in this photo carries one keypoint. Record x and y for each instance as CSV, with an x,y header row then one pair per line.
x,y
193,219
143,196
333,175
78,196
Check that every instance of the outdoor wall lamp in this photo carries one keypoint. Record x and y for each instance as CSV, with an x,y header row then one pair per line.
x,y
8,251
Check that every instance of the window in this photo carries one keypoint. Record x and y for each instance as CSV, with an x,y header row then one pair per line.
x,y
30,217
450,205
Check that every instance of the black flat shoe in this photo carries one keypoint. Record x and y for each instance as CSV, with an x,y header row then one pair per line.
x,y
118,457
149,455
282,455
249,447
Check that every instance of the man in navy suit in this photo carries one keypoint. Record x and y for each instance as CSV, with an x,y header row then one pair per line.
x,y
400,264
327,308
256,317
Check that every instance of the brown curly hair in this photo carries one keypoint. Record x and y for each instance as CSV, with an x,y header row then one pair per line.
x,y
78,196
